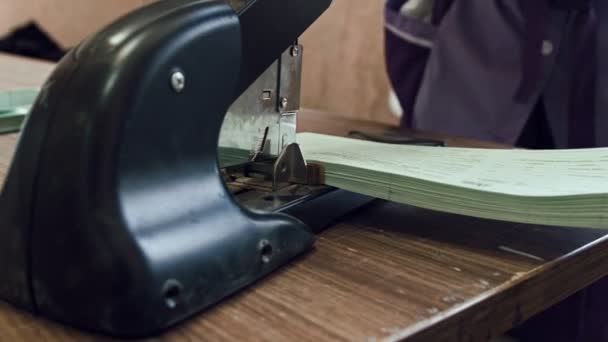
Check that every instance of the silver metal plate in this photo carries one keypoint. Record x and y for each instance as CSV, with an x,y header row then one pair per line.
x,y
271,102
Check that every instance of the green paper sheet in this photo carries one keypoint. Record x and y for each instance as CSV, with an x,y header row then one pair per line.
x,y
14,108
549,187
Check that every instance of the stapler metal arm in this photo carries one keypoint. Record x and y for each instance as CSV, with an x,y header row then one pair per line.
x,y
114,216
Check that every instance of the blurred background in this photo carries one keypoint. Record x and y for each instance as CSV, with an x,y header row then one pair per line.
x,y
344,57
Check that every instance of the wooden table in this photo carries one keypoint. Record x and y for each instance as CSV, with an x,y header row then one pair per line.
x,y
387,272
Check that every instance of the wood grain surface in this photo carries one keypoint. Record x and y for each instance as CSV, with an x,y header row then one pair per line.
x,y
18,72
387,272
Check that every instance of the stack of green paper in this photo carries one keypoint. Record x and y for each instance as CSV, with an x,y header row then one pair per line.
x,y
232,156
14,108
549,187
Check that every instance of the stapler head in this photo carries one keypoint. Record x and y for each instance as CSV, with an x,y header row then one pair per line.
x,y
116,215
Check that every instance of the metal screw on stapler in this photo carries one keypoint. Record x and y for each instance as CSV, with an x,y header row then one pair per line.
x,y
178,81
295,51
284,102
172,290
266,251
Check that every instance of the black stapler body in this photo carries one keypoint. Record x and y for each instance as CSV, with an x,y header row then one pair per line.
x,y
115,216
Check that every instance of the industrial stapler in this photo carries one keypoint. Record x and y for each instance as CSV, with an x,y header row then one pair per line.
x,y
158,170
